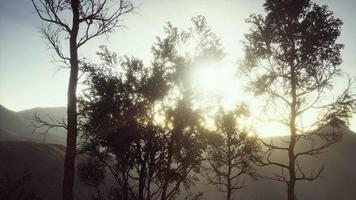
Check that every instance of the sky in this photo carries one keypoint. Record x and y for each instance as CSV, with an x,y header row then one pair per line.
x,y
29,77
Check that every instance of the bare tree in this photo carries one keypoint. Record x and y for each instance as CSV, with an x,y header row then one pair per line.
x,y
44,126
292,58
77,21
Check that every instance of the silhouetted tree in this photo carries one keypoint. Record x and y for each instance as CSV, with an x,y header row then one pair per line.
x,y
231,152
139,120
119,133
180,52
87,19
292,56
92,172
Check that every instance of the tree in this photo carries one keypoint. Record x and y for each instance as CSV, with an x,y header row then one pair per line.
x,y
119,134
179,52
140,121
292,58
231,153
89,19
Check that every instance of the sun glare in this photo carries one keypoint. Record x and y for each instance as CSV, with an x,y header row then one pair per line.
x,y
219,81
217,84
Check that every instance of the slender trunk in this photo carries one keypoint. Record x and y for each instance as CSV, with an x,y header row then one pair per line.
x,y
292,175
230,160
142,181
126,189
228,192
141,186
150,168
293,115
69,162
165,184
167,168
292,179
148,196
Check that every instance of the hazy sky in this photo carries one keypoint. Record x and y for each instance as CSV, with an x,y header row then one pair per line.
x,y
29,78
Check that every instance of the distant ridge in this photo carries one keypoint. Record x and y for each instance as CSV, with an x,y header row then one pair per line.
x,y
18,126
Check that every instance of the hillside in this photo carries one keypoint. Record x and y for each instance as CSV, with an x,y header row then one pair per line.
x,y
45,164
337,181
18,126
45,112
12,126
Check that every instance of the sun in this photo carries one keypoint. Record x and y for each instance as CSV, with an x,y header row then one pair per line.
x,y
217,84
217,80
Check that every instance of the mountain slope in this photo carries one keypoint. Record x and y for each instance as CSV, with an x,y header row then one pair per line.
x,y
45,112
13,126
45,164
336,182
49,114
18,126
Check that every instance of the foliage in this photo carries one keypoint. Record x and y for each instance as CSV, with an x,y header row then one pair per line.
x,y
118,131
148,158
292,58
231,153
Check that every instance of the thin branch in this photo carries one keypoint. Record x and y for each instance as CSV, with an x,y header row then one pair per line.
x,y
46,126
47,14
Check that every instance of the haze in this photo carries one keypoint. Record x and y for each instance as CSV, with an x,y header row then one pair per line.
x,y
29,77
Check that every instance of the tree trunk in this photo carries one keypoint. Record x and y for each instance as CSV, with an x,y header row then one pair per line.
x,y
168,165
165,186
167,168
142,179
228,194
293,135
141,185
126,190
151,167
292,175
230,162
72,132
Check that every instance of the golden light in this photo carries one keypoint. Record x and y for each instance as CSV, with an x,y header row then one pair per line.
x,y
216,83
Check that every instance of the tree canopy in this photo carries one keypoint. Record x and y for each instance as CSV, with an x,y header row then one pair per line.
x,y
292,57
